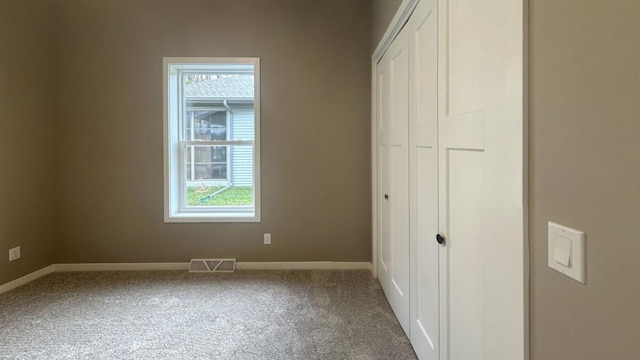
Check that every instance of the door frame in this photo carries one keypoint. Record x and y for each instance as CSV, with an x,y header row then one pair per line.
x,y
401,17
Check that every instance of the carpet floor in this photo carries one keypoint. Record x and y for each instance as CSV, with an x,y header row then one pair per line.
x,y
177,315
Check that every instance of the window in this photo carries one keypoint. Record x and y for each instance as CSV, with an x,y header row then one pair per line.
x,y
212,139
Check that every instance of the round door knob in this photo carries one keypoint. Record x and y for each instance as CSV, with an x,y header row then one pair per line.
x,y
439,239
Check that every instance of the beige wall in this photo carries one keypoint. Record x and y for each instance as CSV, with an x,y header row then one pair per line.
x,y
585,173
26,119
315,128
584,148
382,12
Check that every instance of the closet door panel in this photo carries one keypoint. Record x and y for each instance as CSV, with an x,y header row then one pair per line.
x,y
384,114
466,254
424,255
399,234
423,160
399,280
481,147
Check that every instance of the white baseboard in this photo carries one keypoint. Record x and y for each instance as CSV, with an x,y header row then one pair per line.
x,y
121,267
294,265
27,279
304,265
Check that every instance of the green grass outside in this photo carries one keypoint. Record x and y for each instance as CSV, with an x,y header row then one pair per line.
x,y
233,196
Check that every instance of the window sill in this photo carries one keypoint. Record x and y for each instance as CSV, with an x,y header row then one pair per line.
x,y
221,217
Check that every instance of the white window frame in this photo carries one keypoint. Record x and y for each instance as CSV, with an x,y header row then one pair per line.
x,y
174,174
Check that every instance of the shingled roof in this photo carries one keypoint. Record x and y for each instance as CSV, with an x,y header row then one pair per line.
x,y
228,88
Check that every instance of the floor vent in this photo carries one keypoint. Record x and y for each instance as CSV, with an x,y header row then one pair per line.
x,y
212,265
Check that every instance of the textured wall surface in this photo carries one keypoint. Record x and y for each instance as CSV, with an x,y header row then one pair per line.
x,y
26,143
315,64
585,173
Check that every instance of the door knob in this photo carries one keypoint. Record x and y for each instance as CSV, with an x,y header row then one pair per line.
x,y
386,196
439,239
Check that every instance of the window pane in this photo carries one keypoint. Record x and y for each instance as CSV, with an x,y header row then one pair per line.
x,y
210,171
207,163
211,106
219,175
216,195
208,154
205,125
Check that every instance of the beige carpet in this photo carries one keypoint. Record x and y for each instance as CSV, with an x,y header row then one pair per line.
x,y
177,315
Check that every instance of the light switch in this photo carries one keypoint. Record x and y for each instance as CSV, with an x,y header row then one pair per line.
x,y
562,250
566,251
561,257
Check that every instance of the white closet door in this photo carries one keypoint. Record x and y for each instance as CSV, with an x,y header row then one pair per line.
x,y
384,114
423,163
482,294
395,171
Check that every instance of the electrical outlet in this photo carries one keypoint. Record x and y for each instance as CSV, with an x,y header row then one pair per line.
x,y
14,254
267,239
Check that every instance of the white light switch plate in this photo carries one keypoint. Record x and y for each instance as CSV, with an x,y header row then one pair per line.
x,y
567,251
267,239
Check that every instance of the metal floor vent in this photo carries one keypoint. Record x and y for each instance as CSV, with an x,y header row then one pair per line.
x,y
212,265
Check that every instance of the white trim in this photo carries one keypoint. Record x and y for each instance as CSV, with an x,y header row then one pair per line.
x,y
228,217
165,136
374,169
27,278
304,265
399,20
219,98
525,182
173,200
215,142
257,136
294,265
121,267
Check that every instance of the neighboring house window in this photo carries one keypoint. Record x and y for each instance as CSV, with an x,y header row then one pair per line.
x,y
212,142
207,163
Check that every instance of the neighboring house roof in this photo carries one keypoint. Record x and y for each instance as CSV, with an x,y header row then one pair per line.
x,y
228,88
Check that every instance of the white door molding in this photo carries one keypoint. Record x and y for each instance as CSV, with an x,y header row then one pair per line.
x,y
399,20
